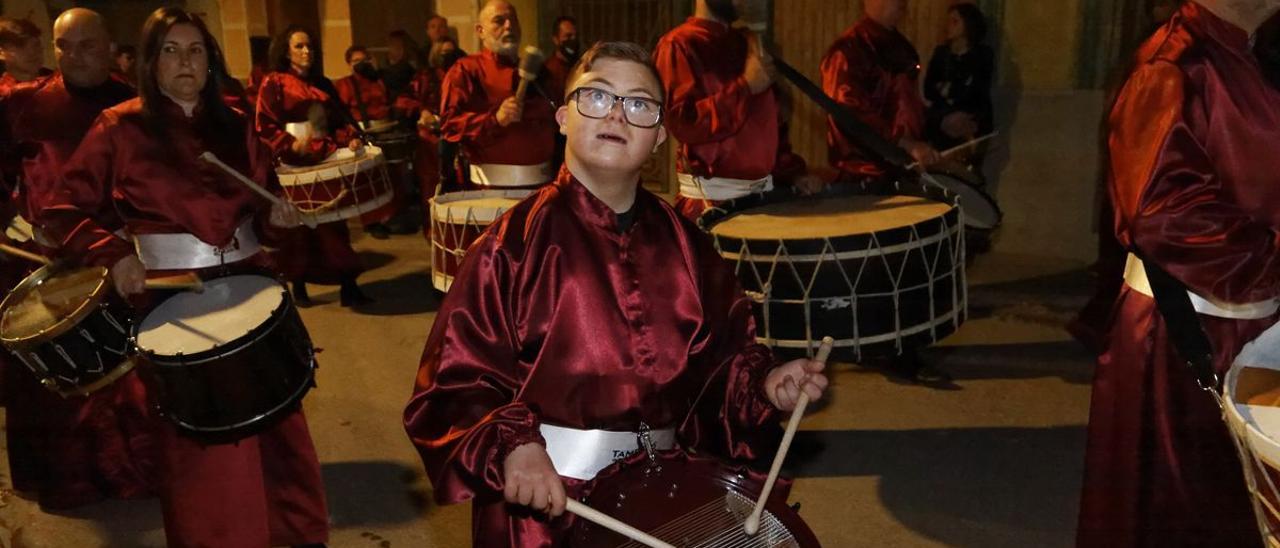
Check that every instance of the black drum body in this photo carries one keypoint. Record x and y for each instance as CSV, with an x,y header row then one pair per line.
x,y
68,328
238,388
876,293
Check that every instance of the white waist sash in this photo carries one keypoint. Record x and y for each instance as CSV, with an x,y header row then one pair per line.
x,y
1135,276
581,454
181,251
510,175
721,188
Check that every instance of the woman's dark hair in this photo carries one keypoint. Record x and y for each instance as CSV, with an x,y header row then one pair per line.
x,y
280,53
412,53
975,25
153,35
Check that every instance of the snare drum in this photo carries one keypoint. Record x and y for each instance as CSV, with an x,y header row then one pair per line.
x,y
68,329
457,220
346,185
397,143
878,273
228,361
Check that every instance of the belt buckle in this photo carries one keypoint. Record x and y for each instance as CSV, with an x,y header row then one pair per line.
x,y
223,251
645,441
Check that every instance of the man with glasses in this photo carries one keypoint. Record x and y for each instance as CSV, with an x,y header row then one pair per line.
x,y
588,313
507,143
724,112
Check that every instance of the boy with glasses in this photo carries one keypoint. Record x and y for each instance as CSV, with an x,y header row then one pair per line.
x,y
589,312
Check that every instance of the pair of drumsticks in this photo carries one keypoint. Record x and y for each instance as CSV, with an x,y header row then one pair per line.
x,y
752,524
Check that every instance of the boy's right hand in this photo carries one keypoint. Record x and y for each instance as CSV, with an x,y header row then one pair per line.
x,y
531,480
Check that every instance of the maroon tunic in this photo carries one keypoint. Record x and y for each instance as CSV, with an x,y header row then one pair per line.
x,y
553,318
872,71
470,95
265,489
1192,138
75,451
424,94
558,69
365,99
323,254
723,129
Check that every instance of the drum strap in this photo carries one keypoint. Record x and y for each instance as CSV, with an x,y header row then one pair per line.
x,y
580,454
1173,300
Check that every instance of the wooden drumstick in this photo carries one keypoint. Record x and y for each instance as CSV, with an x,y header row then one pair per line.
x,y
24,254
968,144
599,518
213,159
752,525
530,65
188,281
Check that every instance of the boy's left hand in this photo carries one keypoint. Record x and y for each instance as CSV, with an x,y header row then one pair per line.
x,y
784,383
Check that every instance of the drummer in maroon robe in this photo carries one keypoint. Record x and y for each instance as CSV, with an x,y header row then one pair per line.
x,y
140,159
871,69
70,451
422,104
1192,176
724,111
363,93
505,143
564,36
291,94
591,305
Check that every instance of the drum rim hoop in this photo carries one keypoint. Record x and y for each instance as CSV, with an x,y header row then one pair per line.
x,y
732,208
372,158
277,315
39,276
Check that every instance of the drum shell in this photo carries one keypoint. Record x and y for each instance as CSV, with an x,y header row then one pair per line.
x,y
648,498
875,293
336,191
94,349
397,146
454,227
238,389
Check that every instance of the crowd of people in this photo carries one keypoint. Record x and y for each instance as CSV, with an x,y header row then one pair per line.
x,y
593,312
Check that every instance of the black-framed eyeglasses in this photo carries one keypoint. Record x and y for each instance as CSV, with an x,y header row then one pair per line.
x,y
641,112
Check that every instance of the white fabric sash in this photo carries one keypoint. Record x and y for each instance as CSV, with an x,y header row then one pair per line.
x,y
1135,276
721,188
581,454
181,251
510,175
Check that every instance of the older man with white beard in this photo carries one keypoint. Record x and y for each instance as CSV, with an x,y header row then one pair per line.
x,y
507,143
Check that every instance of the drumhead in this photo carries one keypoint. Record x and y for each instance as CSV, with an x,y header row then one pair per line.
x,y
46,301
342,162
978,209
227,309
832,216
1252,390
481,206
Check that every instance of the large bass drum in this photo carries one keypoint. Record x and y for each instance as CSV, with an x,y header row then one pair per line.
x,y
879,273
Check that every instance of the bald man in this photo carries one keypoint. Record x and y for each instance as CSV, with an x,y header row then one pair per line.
x,y
506,143
73,451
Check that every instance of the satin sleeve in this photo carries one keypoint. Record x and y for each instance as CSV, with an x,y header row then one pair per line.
x,y
732,417
693,114
1170,203
464,417
81,201
841,77
270,118
479,128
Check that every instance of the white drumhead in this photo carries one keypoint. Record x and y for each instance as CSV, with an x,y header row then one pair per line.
x,y
1253,395
480,206
826,217
227,309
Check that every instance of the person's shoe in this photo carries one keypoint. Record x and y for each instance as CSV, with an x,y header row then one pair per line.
x,y
378,231
401,225
300,296
929,374
350,295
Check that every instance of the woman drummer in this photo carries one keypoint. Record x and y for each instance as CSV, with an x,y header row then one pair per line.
x,y
297,92
140,160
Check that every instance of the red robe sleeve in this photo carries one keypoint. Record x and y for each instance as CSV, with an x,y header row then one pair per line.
x,y
694,115
459,123
275,97
464,416
78,212
1172,206
732,417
